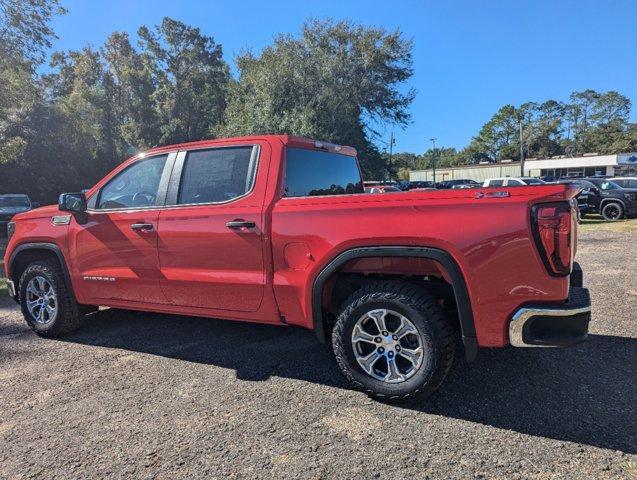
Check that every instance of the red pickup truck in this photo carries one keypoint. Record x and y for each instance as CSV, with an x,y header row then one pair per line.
x,y
277,229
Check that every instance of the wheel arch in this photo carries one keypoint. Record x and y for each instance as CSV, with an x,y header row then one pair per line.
x,y
606,201
25,253
458,284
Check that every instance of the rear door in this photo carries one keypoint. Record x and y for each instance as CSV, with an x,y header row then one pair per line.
x,y
211,234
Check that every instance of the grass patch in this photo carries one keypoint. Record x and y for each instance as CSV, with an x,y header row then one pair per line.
x,y
3,286
596,222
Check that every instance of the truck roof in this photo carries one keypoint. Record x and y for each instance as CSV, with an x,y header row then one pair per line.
x,y
291,140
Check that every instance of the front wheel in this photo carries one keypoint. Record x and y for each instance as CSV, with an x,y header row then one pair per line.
x,y
393,341
612,211
48,305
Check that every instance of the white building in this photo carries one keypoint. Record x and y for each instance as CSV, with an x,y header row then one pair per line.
x,y
623,164
588,165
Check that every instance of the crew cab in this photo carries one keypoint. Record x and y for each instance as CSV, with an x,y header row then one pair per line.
x,y
278,230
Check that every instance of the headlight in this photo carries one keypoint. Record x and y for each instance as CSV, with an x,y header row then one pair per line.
x,y
10,230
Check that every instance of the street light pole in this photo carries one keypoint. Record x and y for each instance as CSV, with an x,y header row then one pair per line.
x,y
433,160
392,142
521,151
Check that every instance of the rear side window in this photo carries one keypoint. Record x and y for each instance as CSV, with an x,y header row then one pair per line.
x,y
311,173
217,175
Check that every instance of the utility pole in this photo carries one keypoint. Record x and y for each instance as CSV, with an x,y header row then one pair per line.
x,y
433,159
392,142
521,151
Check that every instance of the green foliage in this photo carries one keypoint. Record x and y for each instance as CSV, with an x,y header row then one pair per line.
x,y
98,106
591,122
336,82
24,28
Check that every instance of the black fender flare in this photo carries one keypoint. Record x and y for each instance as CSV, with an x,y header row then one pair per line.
x,y
465,312
39,246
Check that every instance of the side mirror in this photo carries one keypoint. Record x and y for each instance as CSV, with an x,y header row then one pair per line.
x,y
594,190
72,202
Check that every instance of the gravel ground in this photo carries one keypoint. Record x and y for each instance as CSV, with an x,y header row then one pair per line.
x,y
162,396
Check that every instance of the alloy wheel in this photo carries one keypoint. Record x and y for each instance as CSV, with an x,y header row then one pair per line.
x,y
387,345
41,300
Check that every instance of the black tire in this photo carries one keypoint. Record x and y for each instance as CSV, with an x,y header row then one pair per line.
x,y
612,211
436,333
68,316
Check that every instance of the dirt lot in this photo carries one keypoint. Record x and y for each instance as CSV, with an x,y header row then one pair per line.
x,y
162,396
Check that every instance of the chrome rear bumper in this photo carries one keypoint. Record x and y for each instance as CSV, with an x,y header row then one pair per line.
x,y
552,325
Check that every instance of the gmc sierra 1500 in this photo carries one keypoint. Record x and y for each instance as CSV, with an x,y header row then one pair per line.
x,y
277,229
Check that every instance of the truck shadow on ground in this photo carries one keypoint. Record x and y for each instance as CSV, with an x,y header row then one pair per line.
x,y
583,394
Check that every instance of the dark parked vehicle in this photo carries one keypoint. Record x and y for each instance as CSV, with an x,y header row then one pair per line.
x,y
419,184
9,206
625,182
457,183
610,200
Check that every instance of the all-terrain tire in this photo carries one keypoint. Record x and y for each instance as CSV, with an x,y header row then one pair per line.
x,y
422,310
68,316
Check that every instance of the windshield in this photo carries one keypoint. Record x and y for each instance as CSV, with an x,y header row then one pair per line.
x,y
16,201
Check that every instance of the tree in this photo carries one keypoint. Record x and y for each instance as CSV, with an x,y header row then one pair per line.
x,y
25,30
25,33
337,82
190,78
130,81
497,138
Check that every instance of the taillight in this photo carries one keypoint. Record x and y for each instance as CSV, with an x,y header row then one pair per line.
x,y
553,229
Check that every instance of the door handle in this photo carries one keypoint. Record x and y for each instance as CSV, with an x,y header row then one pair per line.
x,y
238,223
142,226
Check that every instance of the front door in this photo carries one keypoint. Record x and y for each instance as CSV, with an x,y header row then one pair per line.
x,y
114,251
211,234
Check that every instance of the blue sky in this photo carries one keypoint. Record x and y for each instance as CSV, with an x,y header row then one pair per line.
x,y
470,57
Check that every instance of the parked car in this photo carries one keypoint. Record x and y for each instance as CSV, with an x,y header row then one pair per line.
x,y
11,204
610,200
454,183
420,184
383,189
512,182
276,229
625,182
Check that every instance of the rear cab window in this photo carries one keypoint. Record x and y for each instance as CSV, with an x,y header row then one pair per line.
x,y
310,173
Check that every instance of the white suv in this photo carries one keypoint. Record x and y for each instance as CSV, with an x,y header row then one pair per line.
x,y
512,182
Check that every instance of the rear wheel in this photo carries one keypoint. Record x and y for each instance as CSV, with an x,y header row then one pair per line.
x,y
612,211
48,305
393,341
